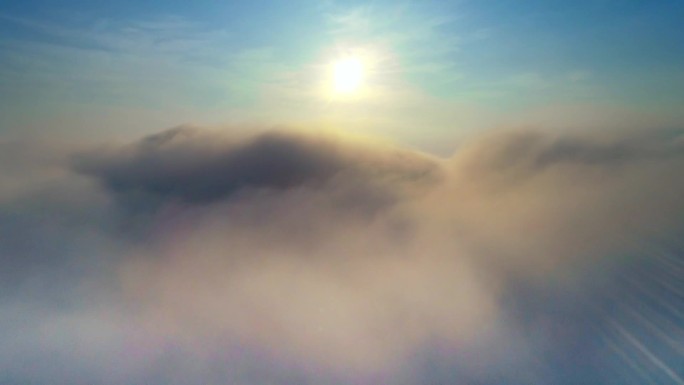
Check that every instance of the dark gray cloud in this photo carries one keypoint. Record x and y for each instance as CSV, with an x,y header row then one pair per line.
x,y
198,166
523,153
201,256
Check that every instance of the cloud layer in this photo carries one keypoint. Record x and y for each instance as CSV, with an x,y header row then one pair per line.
x,y
197,255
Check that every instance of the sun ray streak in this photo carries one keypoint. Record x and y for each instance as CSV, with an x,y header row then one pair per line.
x,y
638,286
655,360
629,361
674,343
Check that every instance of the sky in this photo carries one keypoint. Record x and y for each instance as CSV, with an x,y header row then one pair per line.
x,y
104,69
341,192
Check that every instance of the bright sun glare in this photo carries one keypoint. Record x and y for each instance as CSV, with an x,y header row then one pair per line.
x,y
348,74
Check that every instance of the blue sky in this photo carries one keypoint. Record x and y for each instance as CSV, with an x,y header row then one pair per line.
x,y
464,66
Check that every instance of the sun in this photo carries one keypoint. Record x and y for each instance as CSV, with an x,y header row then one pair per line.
x,y
348,74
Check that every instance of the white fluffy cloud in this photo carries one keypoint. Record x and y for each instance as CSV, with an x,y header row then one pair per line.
x,y
326,255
